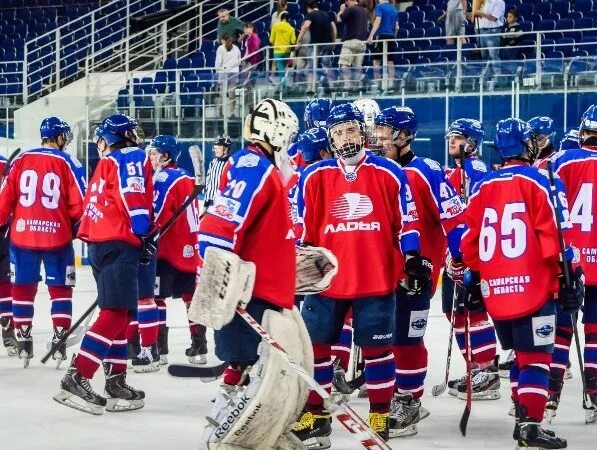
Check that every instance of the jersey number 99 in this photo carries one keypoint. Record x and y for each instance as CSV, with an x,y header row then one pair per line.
x,y
50,187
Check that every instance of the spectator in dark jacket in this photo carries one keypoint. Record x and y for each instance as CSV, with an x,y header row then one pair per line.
x,y
512,36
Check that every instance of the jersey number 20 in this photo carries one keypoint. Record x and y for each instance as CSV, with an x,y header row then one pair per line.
x,y
513,232
50,187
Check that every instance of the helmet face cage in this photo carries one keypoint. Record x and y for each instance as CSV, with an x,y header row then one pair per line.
x,y
349,150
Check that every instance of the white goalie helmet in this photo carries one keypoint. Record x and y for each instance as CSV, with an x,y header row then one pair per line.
x,y
272,121
370,109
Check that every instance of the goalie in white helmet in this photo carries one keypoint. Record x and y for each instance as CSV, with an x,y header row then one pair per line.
x,y
247,247
370,109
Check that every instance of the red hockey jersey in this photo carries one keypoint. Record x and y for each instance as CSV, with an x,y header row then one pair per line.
x,y
118,204
361,216
44,192
250,216
178,245
512,240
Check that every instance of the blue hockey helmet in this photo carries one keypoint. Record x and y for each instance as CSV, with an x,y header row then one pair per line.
x,y
346,113
317,112
165,144
52,127
511,137
570,140
471,129
588,122
119,128
310,143
542,131
398,119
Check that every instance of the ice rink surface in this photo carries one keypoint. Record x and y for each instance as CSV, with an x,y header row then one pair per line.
x,y
173,417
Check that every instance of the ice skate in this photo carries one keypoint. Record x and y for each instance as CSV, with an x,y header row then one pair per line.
x,y
532,436
120,396
9,339
380,423
77,393
568,373
339,382
163,345
197,352
404,415
591,414
485,384
504,368
148,360
60,353
314,430
25,345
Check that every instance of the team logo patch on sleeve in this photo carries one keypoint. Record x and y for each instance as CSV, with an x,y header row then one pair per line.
x,y
479,165
433,164
452,207
136,185
248,160
162,176
226,208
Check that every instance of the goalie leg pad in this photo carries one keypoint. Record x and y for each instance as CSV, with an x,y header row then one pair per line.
x,y
225,281
243,418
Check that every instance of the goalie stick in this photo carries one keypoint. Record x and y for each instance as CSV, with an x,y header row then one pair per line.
x,y
586,400
205,373
368,438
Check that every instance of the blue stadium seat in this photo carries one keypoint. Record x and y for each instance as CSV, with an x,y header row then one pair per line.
x,y
535,18
546,25
551,16
427,24
547,45
402,18
575,15
433,32
526,26
542,8
428,8
565,45
409,26
583,22
417,17
402,33
526,9
562,7
198,61
565,24
417,33
553,63
160,82
583,5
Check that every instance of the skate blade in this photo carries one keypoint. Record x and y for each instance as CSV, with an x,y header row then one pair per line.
x,y
153,367
120,405
568,374
67,399
590,416
504,373
199,360
411,430
26,358
512,411
488,395
12,351
423,413
318,443
59,361
453,392
163,360
549,415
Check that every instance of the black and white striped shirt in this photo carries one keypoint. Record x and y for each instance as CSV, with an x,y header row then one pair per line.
x,y
212,179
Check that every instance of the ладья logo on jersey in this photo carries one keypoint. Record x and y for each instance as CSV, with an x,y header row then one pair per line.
x,y
351,206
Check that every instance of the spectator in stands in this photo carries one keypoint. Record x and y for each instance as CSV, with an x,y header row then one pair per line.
x,y
512,36
282,7
227,66
455,18
320,27
489,22
251,56
384,29
229,25
282,37
355,19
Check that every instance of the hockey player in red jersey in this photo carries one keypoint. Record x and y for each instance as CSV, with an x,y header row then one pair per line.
x,y
464,138
115,223
177,254
578,170
360,208
512,247
9,339
44,194
439,213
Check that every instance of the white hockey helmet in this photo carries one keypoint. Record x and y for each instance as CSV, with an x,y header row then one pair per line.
x,y
272,121
370,109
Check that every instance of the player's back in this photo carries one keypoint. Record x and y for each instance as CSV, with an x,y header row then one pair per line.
x,y
44,190
578,170
515,241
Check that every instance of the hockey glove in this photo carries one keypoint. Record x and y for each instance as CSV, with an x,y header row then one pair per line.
x,y
418,271
455,268
149,248
571,296
473,299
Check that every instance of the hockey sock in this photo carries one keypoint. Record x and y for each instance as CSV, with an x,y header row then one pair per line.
x,y
118,353
380,369
411,368
6,302
514,375
22,304
560,356
342,349
533,382
62,306
161,304
148,316
483,341
323,374
186,298
97,341
590,357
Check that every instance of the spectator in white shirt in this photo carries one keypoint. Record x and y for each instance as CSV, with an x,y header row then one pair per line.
x,y
227,66
489,22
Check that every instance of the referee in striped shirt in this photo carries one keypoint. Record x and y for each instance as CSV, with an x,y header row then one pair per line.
x,y
216,166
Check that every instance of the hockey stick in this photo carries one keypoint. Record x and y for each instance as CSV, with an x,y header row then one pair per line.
x,y
439,389
69,332
586,401
206,374
368,438
77,336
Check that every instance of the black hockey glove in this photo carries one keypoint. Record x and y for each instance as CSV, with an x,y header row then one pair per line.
x,y
571,297
149,248
418,271
473,299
